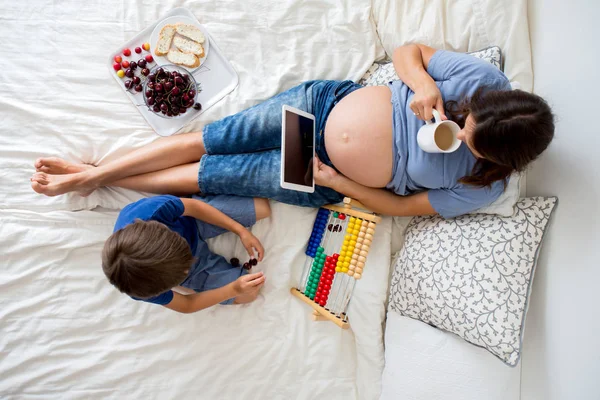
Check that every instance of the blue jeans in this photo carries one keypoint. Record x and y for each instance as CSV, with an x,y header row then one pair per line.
x,y
243,151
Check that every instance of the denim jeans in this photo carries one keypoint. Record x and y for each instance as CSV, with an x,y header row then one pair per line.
x,y
243,151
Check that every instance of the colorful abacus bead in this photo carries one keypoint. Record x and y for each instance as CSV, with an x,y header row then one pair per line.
x,y
326,280
315,273
317,232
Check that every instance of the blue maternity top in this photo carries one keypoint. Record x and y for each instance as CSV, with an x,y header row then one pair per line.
x,y
457,75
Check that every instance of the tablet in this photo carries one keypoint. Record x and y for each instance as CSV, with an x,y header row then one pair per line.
x,y
297,149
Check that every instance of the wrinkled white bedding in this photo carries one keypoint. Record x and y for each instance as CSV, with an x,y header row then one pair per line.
x,y
65,332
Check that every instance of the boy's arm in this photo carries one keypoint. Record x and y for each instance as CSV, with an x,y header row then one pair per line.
x,y
207,213
199,301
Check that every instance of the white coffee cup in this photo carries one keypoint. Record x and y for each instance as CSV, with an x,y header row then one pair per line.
x,y
438,136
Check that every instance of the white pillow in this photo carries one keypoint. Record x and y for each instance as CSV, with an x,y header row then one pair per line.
x,y
505,204
424,363
379,74
472,275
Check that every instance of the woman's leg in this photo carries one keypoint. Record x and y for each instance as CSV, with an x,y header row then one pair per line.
x,y
56,176
256,175
181,180
255,129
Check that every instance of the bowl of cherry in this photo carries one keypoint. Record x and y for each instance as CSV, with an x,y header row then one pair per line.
x,y
169,91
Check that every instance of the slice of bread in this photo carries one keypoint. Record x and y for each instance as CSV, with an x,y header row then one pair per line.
x,y
180,58
165,37
188,46
191,32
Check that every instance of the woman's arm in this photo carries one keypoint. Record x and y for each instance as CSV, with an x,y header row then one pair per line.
x,y
207,213
411,62
378,200
199,301
383,201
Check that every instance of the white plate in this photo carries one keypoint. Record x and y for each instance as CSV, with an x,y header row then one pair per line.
x,y
172,21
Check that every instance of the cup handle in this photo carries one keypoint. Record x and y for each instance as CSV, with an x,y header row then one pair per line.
x,y
436,115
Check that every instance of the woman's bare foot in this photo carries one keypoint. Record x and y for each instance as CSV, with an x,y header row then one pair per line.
x,y
58,166
54,185
56,176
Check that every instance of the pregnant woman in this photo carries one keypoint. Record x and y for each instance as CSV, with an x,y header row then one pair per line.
x,y
366,143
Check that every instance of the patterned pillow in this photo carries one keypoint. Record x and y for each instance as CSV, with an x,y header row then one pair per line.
x,y
472,275
382,72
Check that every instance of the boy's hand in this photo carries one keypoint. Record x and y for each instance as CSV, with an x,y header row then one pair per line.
x,y
249,283
251,243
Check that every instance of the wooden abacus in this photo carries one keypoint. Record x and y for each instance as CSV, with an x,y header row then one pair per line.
x,y
336,254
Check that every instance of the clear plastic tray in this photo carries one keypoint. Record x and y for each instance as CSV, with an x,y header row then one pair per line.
x,y
216,78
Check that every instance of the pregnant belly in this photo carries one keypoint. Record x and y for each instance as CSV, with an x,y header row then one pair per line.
x,y
358,136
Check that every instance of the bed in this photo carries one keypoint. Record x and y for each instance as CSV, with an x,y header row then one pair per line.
x,y
65,331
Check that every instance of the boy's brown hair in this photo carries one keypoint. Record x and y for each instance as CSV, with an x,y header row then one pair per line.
x,y
146,258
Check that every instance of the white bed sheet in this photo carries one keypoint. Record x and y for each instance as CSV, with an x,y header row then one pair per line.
x,y
67,333
58,98
460,25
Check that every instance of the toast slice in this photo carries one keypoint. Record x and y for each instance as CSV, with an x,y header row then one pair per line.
x,y
165,37
181,58
188,46
191,32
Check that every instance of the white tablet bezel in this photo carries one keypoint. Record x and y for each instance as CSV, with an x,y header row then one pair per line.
x,y
288,185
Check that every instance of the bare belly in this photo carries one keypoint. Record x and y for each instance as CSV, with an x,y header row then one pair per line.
x,y
358,136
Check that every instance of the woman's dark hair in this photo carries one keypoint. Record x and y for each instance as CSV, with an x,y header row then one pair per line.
x,y
512,128
146,258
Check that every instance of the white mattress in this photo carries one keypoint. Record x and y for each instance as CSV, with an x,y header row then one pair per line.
x,y
65,331
425,363
422,362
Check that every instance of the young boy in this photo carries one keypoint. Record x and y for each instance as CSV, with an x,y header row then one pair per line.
x,y
159,243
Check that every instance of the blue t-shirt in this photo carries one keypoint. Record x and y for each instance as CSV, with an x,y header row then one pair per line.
x,y
169,211
457,75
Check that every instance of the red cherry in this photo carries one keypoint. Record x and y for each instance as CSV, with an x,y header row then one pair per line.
x,y
126,52
125,64
138,50
117,66
118,59
149,58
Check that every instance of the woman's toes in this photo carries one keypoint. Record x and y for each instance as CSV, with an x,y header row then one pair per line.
x,y
37,187
41,178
